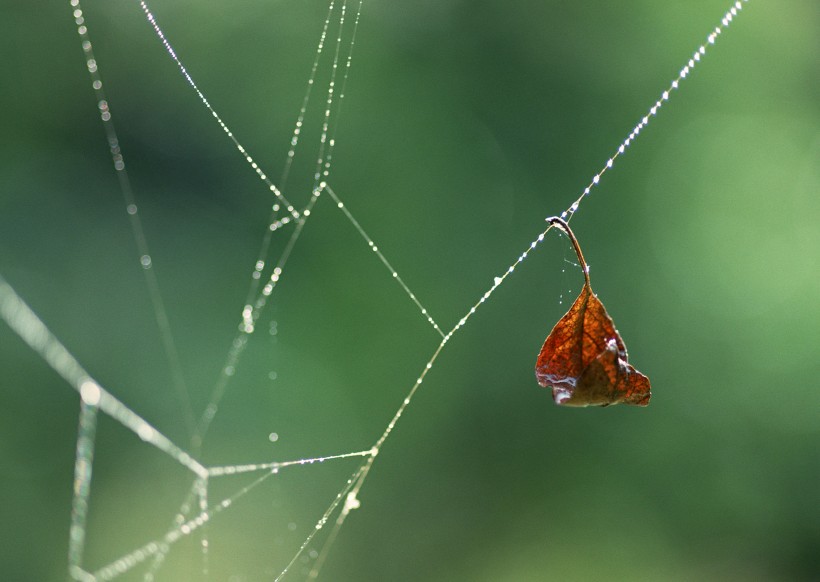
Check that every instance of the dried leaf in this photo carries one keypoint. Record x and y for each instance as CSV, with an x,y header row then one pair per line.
x,y
584,359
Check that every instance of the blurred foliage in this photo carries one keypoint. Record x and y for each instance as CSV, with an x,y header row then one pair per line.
x,y
464,125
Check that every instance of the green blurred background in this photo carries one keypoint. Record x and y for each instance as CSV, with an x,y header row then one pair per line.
x,y
464,125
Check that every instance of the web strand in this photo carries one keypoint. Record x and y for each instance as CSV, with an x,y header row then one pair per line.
x,y
179,518
345,494
273,220
261,174
83,465
145,258
373,247
653,111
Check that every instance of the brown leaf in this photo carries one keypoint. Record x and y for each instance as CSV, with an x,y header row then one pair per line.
x,y
584,359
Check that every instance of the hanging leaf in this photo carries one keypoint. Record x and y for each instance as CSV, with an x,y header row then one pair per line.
x,y
584,359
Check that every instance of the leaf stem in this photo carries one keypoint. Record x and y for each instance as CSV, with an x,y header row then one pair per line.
x,y
562,224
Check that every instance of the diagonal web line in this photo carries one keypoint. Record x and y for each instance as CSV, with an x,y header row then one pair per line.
x,y
160,546
180,517
24,322
137,230
696,57
259,172
382,258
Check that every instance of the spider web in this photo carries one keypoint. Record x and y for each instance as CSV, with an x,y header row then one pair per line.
x,y
291,214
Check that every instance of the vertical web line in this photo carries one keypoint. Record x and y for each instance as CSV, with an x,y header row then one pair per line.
x,y
343,87
201,487
160,313
83,467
